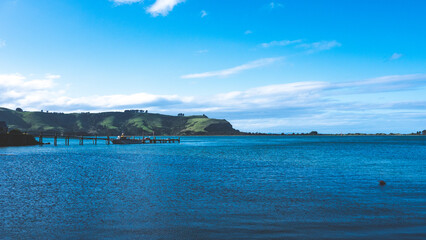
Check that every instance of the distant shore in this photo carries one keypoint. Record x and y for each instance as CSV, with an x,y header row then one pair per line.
x,y
242,135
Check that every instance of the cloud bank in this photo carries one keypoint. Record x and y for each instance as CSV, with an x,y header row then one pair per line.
x,y
293,106
43,93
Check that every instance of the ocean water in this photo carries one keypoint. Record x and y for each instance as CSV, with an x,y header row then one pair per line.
x,y
265,187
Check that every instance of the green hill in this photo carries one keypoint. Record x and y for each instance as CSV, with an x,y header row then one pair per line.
x,y
114,123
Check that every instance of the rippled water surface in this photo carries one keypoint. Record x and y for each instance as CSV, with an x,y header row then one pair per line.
x,y
217,188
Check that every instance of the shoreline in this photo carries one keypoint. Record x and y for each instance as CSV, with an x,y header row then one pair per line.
x,y
257,135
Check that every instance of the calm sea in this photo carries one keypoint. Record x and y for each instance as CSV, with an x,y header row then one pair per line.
x,y
217,188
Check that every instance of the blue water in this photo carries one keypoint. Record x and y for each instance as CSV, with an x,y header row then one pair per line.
x,y
217,188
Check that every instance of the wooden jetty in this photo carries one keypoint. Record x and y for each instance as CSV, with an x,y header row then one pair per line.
x,y
108,140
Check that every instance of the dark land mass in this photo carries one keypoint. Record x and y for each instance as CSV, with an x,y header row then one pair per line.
x,y
315,133
16,138
114,123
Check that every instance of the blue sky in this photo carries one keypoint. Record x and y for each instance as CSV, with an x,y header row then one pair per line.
x,y
269,66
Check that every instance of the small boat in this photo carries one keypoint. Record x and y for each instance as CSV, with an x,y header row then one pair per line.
x,y
145,140
127,140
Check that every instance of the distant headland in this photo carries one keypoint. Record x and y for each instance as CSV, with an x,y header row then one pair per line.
x,y
132,122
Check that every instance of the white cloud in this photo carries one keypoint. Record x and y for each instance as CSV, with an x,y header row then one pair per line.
x,y
163,7
395,56
320,46
19,82
203,13
121,100
230,71
2,43
248,32
160,7
17,90
279,43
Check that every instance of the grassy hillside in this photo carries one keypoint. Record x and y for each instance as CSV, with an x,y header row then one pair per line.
x,y
114,123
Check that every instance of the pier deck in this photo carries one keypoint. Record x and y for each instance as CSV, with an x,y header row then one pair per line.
x,y
108,140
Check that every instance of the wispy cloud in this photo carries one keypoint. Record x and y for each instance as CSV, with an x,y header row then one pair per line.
x,y
230,71
395,56
384,84
311,88
203,13
274,5
126,1
2,43
320,46
163,7
307,47
280,43
295,94
248,32
202,51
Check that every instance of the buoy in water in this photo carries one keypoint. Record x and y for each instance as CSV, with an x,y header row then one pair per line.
x,y
382,183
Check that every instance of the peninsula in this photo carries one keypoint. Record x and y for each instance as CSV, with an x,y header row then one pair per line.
x,y
132,122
